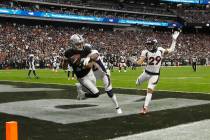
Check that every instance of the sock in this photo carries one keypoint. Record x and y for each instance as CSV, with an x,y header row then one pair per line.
x,y
114,100
29,73
148,99
34,72
68,74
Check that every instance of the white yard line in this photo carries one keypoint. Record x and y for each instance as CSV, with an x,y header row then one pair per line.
x,y
191,131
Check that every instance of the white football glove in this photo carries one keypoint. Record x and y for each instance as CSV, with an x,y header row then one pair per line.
x,y
86,61
175,35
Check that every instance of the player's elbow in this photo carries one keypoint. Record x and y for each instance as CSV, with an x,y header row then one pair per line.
x,y
170,50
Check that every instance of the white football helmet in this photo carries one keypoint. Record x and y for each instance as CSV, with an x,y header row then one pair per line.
x,y
151,44
76,39
31,55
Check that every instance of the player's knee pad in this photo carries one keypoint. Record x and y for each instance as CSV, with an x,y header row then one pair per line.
x,y
110,93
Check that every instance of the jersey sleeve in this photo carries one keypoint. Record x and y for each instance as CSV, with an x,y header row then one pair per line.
x,y
144,53
87,50
162,50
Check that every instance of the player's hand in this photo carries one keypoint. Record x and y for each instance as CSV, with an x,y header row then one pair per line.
x,y
175,35
86,61
64,63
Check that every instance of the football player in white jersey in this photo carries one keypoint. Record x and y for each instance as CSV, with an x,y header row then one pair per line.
x,y
57,63
31,61
122,63
100,73
70,71
153,55
54,62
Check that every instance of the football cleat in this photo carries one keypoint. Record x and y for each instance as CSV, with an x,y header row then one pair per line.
x,y
37,77
144,110
80,93
119,110
81,96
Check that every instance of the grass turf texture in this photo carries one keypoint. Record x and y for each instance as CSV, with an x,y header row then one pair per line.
x,y
172,78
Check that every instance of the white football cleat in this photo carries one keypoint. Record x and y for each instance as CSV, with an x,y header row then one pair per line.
x,y
119,110
144,110
80,93
81,96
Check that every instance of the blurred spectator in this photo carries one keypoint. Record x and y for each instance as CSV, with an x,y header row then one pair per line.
x,y
17,41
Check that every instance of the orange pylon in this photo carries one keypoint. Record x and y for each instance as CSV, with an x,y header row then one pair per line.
x,y
12,130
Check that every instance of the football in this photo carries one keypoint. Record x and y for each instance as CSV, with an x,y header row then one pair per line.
x,y
75,59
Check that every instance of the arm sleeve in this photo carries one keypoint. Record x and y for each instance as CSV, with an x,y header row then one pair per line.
x,y
94,55
172,48
144,53
162,50
68,53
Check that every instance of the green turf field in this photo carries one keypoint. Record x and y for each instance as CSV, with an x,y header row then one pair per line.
x,y
172,78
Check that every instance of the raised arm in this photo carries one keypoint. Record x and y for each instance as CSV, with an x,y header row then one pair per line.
x,y
173,44
143,56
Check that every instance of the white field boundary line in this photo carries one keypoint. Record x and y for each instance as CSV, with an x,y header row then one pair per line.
x,y
174,130
97,86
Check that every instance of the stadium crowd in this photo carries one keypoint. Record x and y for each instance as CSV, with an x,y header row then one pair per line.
x,y
17,41
196,16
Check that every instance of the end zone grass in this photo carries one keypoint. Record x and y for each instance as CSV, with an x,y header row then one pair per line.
x,y
172,78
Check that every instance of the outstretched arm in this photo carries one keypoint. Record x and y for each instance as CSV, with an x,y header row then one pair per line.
x,y
93,56
140,61
173,44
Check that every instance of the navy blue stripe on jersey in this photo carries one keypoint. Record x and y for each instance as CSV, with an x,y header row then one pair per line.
x,y
109,81
146,54
101,65
152,73
110,93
